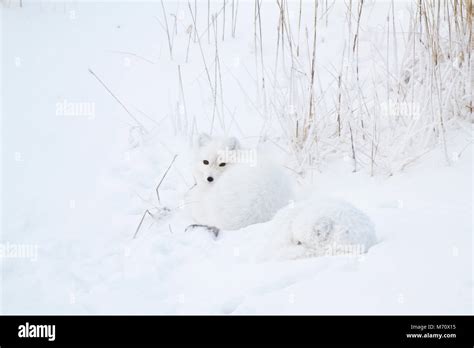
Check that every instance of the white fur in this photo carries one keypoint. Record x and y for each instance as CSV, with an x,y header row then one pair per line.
x,y
322,226
240,194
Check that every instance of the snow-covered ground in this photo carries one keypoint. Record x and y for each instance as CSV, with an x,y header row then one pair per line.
x,y
76,185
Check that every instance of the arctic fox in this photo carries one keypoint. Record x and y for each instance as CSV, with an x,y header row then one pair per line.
x,y
235,189
231,195
322,226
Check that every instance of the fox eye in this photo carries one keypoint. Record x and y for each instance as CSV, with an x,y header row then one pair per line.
x,y
221,164
206,162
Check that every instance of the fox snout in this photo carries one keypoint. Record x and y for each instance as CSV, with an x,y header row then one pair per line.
x,y
210,179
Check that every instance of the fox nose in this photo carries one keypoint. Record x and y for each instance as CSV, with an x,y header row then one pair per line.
x,y
210,179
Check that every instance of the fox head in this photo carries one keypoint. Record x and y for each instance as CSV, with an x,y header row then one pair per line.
x,y
210,158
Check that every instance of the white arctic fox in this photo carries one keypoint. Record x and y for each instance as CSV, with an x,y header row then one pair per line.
x,y
231,195
322,226
235,188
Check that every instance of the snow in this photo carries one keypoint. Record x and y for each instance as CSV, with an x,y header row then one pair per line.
x,y
77,186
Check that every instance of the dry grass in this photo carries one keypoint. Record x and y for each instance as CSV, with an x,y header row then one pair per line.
x,y
382,124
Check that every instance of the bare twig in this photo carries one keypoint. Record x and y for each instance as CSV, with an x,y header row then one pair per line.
x,y
117,99
162,178
170,46
141,222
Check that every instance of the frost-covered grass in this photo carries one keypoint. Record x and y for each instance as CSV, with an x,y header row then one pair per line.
x,y
369,110
379,82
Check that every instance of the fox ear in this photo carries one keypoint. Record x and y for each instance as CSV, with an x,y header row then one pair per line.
x,y
233,143
203,139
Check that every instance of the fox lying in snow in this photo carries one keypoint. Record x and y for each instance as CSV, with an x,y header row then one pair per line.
x,y
230,194
233,192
